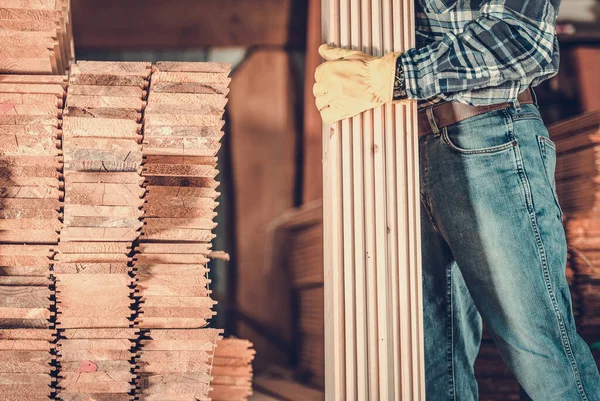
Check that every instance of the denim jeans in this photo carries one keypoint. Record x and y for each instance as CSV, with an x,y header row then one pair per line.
x,y
494,250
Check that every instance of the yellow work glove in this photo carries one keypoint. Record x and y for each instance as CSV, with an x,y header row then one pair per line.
x,y
350,82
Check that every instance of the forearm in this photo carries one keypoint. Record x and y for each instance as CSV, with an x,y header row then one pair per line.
x,y
502,45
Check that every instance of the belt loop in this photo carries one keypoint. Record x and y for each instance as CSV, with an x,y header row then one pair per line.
x,y
432,122
517,105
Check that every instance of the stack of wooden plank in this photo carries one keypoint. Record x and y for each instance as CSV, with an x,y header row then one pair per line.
x,y
36,36
232,370
182,132
30,194
578,185
298,248
95,281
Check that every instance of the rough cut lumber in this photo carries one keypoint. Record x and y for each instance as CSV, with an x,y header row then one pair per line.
x,y
179,170
35,37
95,281
373,307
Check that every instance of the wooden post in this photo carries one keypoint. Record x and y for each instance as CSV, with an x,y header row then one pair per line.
x,y
373,306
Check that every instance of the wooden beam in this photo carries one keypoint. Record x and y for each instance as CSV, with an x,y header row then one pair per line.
x,y
373,307
312,180
116,24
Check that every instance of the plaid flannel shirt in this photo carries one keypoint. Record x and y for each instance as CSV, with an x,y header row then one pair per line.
x,y
480,52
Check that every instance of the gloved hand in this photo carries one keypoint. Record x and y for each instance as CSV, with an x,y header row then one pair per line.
x,y
350,82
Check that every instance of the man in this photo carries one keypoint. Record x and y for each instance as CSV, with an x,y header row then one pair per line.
x,y
492,238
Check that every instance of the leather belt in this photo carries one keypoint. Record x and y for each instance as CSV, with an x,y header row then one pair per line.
x,y
449,113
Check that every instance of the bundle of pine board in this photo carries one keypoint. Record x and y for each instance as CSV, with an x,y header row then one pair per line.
x,y
30,201
578,185
182,132
373,304
95,281
232,370
36,36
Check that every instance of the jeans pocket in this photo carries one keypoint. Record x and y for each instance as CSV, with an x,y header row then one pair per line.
x,y
484,134
548,154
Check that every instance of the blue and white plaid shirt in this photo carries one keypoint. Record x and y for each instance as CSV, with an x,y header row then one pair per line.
x,y
480,52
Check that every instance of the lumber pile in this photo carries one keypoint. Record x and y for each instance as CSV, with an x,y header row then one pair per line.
x,y
298,249
36,36
30,201
182,132
232,370
578,185
95,281
373,306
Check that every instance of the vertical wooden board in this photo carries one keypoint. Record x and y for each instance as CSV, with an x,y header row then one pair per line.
x,y
382,175
263,137
312,179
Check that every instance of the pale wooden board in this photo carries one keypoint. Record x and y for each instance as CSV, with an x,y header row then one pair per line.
x,y
181,190
102,112
190,87
176,234
101,211
74,127
99,90
178,66
33,79
193,260
179,269
106,194
183,131
94,247
104,177
185,170
109,80
31,98
91,268
174,248
108,102
184,109
191,77
140,69
18,87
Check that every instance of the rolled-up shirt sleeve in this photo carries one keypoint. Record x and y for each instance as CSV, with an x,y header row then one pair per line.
x,y
509,46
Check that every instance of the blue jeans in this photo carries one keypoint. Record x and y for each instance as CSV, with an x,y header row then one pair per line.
x,y
494,250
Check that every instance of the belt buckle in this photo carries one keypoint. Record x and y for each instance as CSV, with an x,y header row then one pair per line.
x,y
432,121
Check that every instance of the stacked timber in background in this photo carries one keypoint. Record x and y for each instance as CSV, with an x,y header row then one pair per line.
x,y
35,36
30,201
578,186
182,132
297,245
232,370
95,281
373,307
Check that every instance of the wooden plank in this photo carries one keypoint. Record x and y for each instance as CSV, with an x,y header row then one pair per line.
x,y
189,24
378,214
99,90
32,88
138,69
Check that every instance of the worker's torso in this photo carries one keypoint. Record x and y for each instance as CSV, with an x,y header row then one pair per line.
x,y
436,18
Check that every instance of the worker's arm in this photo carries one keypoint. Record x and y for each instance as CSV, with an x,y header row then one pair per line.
x,y
511,42
507,46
